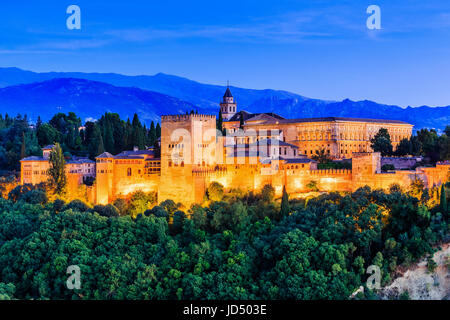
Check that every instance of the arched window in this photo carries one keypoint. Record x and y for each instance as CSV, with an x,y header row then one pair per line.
x,y
129,172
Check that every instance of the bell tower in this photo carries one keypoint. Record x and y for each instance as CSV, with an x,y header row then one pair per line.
x,y
228,105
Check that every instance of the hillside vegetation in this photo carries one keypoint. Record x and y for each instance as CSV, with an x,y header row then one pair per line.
x,y
235,246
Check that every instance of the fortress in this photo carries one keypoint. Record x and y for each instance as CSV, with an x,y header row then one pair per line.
x,y
257,149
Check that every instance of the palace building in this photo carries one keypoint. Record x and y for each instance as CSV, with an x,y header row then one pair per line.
x,y
338,137
258,149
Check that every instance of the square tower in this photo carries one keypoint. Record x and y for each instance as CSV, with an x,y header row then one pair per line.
x,y
188,140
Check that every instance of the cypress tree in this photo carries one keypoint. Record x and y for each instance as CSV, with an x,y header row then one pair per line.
x,y
127,135
444,206
285,208
38,122
220,122
101,148
137,133
23,150
109,138
158,131
96,146
152,134
241,121
57,170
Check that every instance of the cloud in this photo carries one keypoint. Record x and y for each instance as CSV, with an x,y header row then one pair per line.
x,y
73,44
292,27
56,46
27,51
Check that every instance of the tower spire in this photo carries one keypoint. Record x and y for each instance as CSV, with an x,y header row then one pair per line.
x,y
228,105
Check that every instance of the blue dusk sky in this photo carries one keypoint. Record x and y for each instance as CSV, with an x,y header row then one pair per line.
x,y
317,48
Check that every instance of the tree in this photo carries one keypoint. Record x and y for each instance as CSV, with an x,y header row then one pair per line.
x,y
447,131
158,130
46,134
444,147
285,208
140,202
241,121
215,191
443,204
220,122
96,142
312,186
404,148
152,135
23,149
38,122
430,143
321,156
381,142
100,148
57,173
268,193
108,137
387,167
137,133
416,188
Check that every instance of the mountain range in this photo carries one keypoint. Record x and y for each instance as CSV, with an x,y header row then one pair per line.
x,y
91,94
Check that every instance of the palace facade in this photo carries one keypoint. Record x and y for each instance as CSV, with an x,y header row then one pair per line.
x,y
258,149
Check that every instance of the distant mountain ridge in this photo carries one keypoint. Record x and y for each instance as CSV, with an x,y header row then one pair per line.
x,y
161,94
88,99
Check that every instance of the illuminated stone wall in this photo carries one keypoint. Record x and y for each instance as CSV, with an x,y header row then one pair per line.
x,y
34,172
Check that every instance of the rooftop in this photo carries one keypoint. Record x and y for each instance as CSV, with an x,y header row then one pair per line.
x,y
104,155
228,93
345,119
34,158
255,116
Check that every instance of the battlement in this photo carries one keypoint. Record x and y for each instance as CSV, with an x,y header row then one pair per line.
x,y
186,117
331,172
204,172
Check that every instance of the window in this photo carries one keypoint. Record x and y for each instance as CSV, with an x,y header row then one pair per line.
x,y
129,172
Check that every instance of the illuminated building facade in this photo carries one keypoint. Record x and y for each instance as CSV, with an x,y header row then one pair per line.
x,y
268,150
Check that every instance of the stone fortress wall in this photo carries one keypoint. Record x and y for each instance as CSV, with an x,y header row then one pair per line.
x,y
194,154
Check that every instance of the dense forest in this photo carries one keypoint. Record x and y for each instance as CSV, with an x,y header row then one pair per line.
x,y
18,139
234,246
